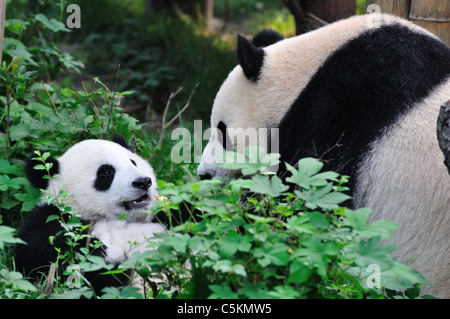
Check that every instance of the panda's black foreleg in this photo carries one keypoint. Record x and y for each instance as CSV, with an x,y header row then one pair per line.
x,y
33,259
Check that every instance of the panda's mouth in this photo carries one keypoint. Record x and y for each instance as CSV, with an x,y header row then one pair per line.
x,y
138,203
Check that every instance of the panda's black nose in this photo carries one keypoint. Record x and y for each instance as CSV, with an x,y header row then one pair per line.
x,y
142,183
205,176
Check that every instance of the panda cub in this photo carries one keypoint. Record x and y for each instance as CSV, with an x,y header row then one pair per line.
x,y
104,179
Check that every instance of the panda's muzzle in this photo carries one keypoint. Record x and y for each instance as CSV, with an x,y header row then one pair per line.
x,y
142,183
138,203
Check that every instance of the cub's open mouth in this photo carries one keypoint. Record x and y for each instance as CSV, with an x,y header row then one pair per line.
x,y
138,203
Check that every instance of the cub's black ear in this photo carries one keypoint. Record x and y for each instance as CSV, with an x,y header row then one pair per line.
x,y
249,57
266,37
36,177
119,139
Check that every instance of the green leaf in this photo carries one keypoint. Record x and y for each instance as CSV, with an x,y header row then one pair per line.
x,y
264,185
232,242
276,254
85,292
52,24
178,242
298,272
224,266
7,236
323,197
358,221
239,270
370,252
95,263
7,168
15,279
30,199
307,173
8,183
15,48
300,224
220,292
284,292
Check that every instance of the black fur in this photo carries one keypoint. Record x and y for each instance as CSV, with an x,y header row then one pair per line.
x,y
266,37
34,258
249,57
36,177
105,177
358,93
443,132
119,139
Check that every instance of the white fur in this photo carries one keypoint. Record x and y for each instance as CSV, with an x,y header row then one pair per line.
x,y
238,99
78,171
122,239
404,179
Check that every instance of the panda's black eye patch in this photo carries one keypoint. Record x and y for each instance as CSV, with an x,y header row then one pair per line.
x,y
105,176
133,162
225,141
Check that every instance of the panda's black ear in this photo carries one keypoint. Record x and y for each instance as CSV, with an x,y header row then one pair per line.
x,y
266,37
36,177
119,139
249,57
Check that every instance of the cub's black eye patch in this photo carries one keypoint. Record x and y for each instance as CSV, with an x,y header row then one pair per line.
x,y
105,176
133,162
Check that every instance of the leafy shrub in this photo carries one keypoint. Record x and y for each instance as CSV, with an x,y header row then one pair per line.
x,y
277,243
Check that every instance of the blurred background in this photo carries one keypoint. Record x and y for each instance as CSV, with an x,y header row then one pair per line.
x,y
162,45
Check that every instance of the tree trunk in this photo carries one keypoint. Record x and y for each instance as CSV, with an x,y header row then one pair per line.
x,y
189,7
330,10
443,132
313,14
2,25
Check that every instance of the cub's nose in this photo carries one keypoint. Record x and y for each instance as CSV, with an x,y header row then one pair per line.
x,y
142,183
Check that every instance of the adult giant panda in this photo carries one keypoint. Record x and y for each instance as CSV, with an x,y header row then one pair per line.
x,y
104,179
363,95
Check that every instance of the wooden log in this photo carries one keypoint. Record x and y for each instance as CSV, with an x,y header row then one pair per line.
x,y
399,8
433,15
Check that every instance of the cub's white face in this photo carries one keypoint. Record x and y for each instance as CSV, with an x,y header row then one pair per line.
x,y
106,180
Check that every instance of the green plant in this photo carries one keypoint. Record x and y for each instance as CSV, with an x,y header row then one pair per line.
x,y
277,243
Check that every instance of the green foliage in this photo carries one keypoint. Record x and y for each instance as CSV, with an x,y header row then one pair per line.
x,y
301,244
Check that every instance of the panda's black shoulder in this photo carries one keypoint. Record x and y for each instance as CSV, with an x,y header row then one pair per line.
x,y
37,253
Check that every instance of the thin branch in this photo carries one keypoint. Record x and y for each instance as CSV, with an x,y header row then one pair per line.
x,y
91,227
50,280
49,96
165,125
91,102
184,107
8,109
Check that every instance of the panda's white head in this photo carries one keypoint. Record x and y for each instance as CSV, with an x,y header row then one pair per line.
x,y
104,178
270,75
